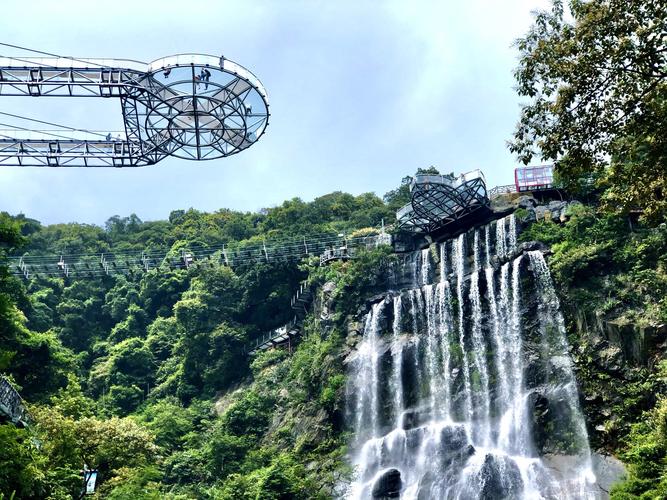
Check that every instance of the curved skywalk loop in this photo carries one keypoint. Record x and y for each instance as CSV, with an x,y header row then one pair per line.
x,y
114,263
191,106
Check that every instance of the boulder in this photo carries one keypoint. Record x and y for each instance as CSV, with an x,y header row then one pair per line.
x,y
556,207
454,448
538,406
526,202
328,287
388,485
608,471
499,477
529,246
542,213
610,359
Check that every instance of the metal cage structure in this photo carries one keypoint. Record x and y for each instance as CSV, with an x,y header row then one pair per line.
x,y
534,178
439,201
191,106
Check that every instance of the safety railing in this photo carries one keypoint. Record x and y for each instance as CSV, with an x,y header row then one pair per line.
x,y
446,179
11,403
498,190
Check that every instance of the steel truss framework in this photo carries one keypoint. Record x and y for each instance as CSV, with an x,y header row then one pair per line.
x,y
439,201
190,106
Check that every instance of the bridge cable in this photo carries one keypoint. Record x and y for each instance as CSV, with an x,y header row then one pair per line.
x,y
63,57
27,61
46,132
49,123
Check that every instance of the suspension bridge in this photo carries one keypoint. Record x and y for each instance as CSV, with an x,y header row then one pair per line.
x,y
91,265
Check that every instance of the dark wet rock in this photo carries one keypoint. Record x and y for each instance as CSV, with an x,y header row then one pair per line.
x,y
454,447
499,477
536,370
388,485
538,406
413,418
376,298
636,341
553,423
529,246
413,439
409,375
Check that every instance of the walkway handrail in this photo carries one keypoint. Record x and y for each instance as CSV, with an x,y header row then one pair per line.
x,y
283,330
11,403
111,262
504,189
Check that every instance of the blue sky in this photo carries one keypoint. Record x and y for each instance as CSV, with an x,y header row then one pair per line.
x,y
362,93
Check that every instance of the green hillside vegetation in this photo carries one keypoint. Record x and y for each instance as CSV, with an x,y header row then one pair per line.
x,y
122,372
146,378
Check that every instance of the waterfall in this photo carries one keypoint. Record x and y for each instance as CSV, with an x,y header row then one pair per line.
x,y
367,407
479,349
425,267
397,365
459,258
452,386
511,236
500,239
444,300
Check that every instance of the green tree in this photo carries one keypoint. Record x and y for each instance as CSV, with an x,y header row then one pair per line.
x,y
646,455
110,446
21,465
597,86
212,360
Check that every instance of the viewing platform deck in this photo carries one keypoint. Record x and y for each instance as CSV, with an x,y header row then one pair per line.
x,y
438,201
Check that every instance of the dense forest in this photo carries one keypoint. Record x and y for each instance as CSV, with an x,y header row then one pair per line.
x,y
146,376
125,373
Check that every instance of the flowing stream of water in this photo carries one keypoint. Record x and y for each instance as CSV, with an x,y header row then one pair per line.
x,y
448,388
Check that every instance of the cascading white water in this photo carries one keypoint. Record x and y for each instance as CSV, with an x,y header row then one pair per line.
x,y
479,350
500,238
511,236
459,259
466,374
397,364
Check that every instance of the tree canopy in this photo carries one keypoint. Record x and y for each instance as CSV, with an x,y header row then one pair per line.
x,y
595,75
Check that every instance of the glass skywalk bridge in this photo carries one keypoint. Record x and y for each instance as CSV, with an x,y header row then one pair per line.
x,y
439,201
191,106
